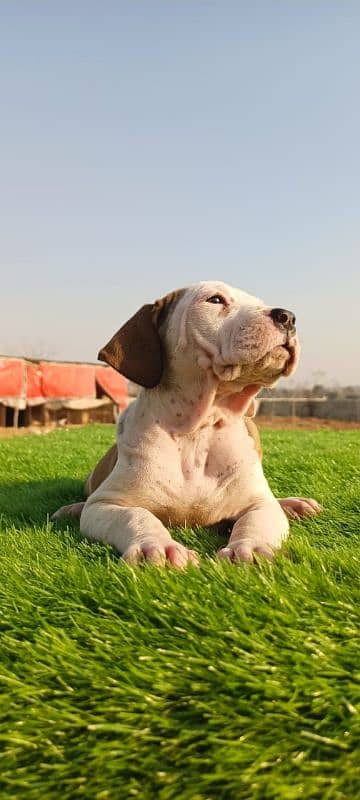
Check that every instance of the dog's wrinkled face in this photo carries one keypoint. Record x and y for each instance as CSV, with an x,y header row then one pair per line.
x,y
233,333
210,326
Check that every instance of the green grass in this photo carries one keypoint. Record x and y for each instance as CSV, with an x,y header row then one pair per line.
x,y
218,684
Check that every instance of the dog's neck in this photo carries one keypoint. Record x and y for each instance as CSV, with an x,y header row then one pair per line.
x,y
198,399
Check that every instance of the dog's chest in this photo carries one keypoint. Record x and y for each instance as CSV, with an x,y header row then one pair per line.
x,y
201,478
208,456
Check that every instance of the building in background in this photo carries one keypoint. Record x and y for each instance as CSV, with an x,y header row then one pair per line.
x,y
44,392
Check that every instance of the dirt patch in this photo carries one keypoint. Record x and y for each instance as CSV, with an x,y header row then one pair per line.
x,y
286,423
42,430
6,433
306,423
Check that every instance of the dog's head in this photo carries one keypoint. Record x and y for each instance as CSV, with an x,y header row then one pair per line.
x,y
213,327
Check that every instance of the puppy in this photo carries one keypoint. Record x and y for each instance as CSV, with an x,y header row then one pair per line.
x,y
186,451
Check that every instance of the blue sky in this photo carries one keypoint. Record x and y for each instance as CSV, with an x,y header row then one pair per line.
x,y
146,145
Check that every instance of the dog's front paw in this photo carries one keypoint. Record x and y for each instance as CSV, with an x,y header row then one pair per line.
x,y
172,553
247,549
298,507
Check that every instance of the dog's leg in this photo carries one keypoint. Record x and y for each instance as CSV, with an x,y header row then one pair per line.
x,y
135,532
298,507
260,530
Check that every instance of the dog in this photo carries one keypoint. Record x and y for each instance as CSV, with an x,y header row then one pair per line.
x,y
188,452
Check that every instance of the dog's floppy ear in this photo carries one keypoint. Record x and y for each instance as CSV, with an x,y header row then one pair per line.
x,y
136,349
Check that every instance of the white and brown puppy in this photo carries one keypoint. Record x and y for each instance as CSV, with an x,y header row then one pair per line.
x,y
185,452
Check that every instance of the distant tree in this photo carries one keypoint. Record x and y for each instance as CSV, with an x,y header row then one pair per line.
x,y
318,389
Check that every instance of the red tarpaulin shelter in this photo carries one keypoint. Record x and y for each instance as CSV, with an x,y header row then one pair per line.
x,y
67,380
108,380
12,381
28,383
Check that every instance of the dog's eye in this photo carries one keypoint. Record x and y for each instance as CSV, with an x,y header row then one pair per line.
x,y
216,298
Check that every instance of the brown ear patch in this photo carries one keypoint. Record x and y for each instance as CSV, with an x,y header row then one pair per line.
x,y
136,349
164,305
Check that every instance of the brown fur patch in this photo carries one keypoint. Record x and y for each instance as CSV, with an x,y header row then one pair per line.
x,y
164,305
254,433
136,349
102,470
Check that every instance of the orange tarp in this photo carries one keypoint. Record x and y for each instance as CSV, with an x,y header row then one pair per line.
x,y
40,381
33,381
113,384
67,380
12,375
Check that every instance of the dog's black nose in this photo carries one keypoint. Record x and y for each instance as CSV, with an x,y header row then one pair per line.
x,y
283,318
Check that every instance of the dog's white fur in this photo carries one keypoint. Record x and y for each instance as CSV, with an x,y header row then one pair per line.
x,y
184,452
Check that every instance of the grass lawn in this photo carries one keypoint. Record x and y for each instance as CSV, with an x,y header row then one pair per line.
x,y
216,684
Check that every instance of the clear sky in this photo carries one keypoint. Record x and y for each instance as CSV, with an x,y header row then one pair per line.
x,y
146,145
